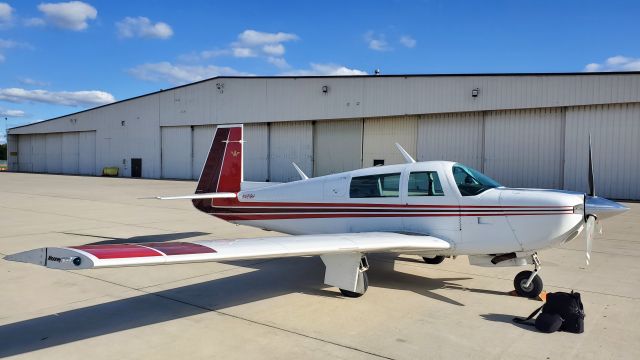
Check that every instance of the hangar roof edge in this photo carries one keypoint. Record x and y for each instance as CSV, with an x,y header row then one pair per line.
x,y
338,76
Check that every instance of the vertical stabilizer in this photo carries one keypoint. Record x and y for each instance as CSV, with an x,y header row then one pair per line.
x,y
222,171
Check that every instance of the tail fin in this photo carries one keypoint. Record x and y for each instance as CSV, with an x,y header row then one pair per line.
x,y
222,171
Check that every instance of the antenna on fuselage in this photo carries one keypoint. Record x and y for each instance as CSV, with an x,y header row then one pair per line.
x,y
300,172
404,153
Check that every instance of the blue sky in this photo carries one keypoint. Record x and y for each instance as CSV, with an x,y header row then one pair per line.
x,y
62,57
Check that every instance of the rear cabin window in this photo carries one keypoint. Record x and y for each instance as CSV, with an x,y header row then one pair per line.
x,y
375,186
425,183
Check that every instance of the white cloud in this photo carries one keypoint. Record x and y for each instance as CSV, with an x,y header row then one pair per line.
x,y
72,15
143,27
257,38
32,22
70,98
408,41
243,52
181,74
10,44
207,54
325,70
615,63
12,113
6,14
278,62
376,42
273,49
252,43
32,82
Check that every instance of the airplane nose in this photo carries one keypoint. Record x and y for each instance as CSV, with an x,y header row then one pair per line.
x,y
604,208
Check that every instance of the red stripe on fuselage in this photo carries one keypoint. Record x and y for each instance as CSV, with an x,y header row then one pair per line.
x,y
275,216
235,202
117,251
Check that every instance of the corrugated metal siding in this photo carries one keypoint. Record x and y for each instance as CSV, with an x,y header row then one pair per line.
x,y
381,134
453,137
87,153
337,146
70,153
176,152
256,152
39,154
291,99
12,152
54,153
25,162
615,134
202,139
290,142
524,148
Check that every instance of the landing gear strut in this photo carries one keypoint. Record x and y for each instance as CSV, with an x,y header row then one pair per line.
x,y
362,268
528,283
353,294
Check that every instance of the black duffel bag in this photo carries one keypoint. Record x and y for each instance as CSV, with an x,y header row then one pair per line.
x,y
562,312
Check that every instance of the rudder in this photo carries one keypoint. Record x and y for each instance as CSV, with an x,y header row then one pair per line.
x,y
222,171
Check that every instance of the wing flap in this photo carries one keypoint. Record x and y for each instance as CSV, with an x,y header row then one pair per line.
x,y
96,256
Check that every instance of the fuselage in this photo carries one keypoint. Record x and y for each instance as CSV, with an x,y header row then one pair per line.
x,y
422,197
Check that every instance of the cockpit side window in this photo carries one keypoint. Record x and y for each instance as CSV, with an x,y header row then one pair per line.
x,y
471,182
424,183
374,186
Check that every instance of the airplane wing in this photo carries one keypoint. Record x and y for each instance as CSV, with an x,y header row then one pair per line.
x,y
98,256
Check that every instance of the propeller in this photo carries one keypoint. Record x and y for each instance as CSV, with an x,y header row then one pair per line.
x,y
589,219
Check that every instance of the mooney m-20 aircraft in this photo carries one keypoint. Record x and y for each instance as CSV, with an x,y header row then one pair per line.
x,y
434,209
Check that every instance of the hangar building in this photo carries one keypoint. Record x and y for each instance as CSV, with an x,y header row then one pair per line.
x,y
525,130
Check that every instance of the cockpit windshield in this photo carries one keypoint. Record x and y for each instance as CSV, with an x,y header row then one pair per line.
x,y
471,182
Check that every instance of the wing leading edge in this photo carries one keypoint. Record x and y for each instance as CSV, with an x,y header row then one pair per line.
x,y
98,256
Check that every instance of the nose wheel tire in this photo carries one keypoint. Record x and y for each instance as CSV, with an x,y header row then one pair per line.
x,y
353,294
533,290
433,260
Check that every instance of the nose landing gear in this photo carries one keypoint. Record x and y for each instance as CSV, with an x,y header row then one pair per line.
x,y
528,283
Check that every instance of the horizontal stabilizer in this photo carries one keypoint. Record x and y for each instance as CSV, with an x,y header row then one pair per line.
x,y
110,255
220,195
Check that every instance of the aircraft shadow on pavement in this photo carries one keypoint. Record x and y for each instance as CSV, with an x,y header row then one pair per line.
x,y
141,239
264,280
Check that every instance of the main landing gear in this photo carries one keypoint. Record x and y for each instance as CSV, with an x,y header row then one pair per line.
x,y
347,272
528,283
433,260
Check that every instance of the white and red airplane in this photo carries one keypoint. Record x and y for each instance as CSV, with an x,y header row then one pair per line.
x,y
434,209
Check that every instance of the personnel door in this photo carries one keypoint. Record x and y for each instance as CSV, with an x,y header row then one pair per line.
x,y
432,207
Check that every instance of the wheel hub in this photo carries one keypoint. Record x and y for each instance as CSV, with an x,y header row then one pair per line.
x,y
523,284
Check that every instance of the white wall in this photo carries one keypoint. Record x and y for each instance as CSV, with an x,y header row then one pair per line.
x,y
525,148
454,137
337,146
176,152
290,142
381,134
615,133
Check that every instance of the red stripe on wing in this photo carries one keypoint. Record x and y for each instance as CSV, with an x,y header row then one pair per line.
x,y
117,251
180,248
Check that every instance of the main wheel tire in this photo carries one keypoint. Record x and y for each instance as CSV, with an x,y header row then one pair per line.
x,y
433,260
353,294
533,290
